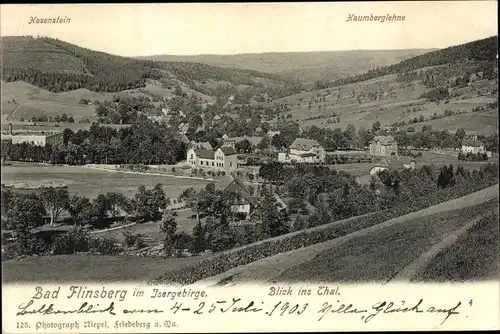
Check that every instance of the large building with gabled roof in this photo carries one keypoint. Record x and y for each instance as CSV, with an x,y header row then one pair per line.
x,y
303,150
224,158
384,146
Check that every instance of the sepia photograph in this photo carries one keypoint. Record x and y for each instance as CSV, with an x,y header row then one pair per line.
x,y
227,144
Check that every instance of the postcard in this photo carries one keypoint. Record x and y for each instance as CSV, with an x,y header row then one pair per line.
x,y
249,167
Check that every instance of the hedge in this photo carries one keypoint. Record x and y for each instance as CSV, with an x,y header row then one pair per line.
x,y
249,253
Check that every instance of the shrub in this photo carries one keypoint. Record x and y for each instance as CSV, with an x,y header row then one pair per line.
x,y
134,240
104,246
72,242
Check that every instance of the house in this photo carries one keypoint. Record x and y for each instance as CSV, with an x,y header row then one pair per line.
x,y
225,136
183,128
247,199
202,146
472,145
383,146
393,163
271,133
254,140
303,150
224,158
176,204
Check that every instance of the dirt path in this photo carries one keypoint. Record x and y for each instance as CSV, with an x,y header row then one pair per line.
x,y
413,269
112,228
267,269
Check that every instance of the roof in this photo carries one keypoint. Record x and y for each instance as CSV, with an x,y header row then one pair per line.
x,y
384,140
304,144
306,155
228,150
254,140
238,187
205,154
472,142
184,138
393,163
203,146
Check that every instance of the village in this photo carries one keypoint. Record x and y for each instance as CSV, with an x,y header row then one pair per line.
x,y
273,167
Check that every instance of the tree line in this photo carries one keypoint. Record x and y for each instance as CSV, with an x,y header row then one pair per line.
x,y
144,142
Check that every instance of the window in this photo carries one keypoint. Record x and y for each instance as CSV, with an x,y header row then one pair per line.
x,y
213,163
230,164
191,156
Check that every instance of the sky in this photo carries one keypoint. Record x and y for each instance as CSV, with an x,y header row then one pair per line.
x,y
217,28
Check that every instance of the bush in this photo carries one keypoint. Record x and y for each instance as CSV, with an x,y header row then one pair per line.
x,y
72,242
134,240
104,246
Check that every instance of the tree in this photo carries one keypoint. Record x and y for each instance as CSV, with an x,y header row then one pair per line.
x,y
116,202
81,210
198,244
376,126
160,199
145,204
182,240
264,143
274,220
299,223
23,212
168,227
55,200
101,206
460,134
243,146
222,238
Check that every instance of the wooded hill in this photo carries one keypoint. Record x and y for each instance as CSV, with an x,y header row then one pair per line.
x,y
59,66
482,51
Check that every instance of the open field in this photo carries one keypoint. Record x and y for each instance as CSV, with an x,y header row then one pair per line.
x,y
30,109
91,182
90,268
485,122
360,258
271,268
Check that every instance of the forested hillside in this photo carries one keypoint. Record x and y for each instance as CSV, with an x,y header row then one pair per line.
x,y
483,51
59,66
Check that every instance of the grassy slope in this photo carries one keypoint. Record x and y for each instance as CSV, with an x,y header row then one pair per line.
x,y
392,108
379,256
474,255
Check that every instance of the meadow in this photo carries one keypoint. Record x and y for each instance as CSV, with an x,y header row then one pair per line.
x,y
91,182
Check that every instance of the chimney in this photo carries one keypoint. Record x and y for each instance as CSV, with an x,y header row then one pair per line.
x,y
10,129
